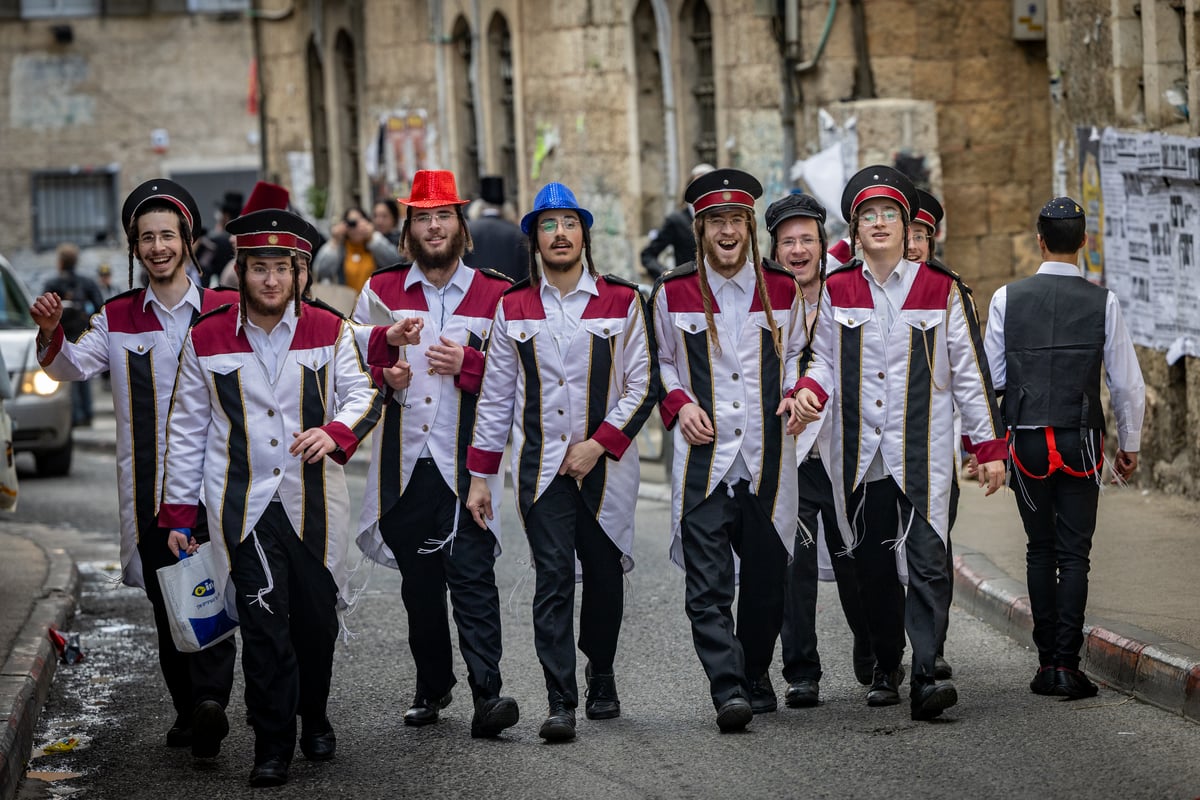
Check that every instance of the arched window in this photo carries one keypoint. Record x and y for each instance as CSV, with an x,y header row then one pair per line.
x,y
652,133
463,92
346,94
503,111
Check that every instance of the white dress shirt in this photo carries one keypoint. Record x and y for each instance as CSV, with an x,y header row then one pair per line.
x,y
564,313
442,302
271,346
177,319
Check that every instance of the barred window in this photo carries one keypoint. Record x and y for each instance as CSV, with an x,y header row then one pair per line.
x,y
74,206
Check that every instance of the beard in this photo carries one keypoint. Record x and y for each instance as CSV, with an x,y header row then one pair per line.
x,y
427,260
269,308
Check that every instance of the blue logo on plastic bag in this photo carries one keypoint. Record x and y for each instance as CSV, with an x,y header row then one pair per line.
x,y
204,588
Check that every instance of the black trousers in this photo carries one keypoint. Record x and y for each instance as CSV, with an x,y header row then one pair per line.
x,y
711,533
191,678
1059,513
560,527
288,637
466,566
798,636
924,614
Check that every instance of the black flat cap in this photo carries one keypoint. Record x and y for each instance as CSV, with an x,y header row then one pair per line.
x,y
795,204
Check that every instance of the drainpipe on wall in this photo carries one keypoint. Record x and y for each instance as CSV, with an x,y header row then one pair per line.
x,y
864,78
662,20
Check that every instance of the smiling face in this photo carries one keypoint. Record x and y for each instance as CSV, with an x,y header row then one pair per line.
x,y
920,242
726,235
798,247
881,229
435,237
160,248
560,239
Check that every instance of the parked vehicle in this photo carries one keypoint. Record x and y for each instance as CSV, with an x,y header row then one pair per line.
x,y
41,406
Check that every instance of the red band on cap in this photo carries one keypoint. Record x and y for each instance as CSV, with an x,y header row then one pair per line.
x,y
304,245
926,217
265,240
723,197
173,201
879,190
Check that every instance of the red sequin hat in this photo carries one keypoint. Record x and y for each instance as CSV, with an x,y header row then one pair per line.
x,y
432,188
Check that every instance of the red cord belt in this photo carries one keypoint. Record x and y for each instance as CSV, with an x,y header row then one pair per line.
x,y
1055,460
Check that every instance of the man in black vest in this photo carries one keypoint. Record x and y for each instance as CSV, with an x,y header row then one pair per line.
x,y
1047,338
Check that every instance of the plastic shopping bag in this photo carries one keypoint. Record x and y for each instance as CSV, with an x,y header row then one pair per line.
x,y
8,464
194,592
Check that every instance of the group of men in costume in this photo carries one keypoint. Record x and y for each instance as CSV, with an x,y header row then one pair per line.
x,y
817,418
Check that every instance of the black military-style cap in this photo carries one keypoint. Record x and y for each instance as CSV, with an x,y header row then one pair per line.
x,y
1061,208
268,232
306,235
930,210
723,187
796,204
163,190
879,180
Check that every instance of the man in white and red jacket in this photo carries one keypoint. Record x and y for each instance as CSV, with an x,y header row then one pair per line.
x,y
896,346
570,372
136,337
413,516
267,389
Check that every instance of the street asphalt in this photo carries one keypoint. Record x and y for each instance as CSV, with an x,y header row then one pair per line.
x,y
1143,635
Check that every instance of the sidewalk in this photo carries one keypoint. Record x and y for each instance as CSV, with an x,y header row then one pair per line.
x,y
1143,635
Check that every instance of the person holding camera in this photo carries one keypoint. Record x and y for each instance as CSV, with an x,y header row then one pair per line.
x,y
354,251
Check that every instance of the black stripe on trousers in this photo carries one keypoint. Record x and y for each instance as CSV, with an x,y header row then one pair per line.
x,y
851,398
770,381
700,457
599,376
233,503
143,439
530,464
916,419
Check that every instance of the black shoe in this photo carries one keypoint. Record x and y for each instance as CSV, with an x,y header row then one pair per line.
x,y
762,696
559,725
1043,681
864,661
601,701
180,733
804,693
734,714
885,688
209,727
942,670
272,772
1073,684
424,711
493,715
318,742
930,699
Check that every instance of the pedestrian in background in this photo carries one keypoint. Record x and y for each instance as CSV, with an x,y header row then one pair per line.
x,y
570,373
414,516
386,216
730,332
354,251
80,298
896,347
137,337
796,223
1049,337
270,463
497,241
674,233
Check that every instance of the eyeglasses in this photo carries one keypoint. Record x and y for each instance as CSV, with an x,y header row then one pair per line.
x,y
261,273
551,225
919,238
870,218
442,217
734,221
803,241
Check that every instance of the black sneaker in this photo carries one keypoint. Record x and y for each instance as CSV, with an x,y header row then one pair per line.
x,y
601,701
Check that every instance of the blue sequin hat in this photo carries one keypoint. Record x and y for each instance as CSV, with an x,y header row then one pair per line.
x,y
554,196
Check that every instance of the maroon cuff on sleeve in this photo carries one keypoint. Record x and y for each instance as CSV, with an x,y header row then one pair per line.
x,y
344,438
809,383
377,376
486,462
379,352
994,450
670,405
470,377
966,444
56,343
176,515
611,438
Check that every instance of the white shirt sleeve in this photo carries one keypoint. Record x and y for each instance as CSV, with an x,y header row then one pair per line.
x,y
1123,375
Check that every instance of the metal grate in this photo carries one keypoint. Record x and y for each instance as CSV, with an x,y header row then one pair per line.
x,y
74,206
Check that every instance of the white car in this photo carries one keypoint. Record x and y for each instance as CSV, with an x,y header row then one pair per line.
x,y
41,406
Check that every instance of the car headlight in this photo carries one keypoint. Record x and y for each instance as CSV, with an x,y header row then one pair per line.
x,y
39,383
